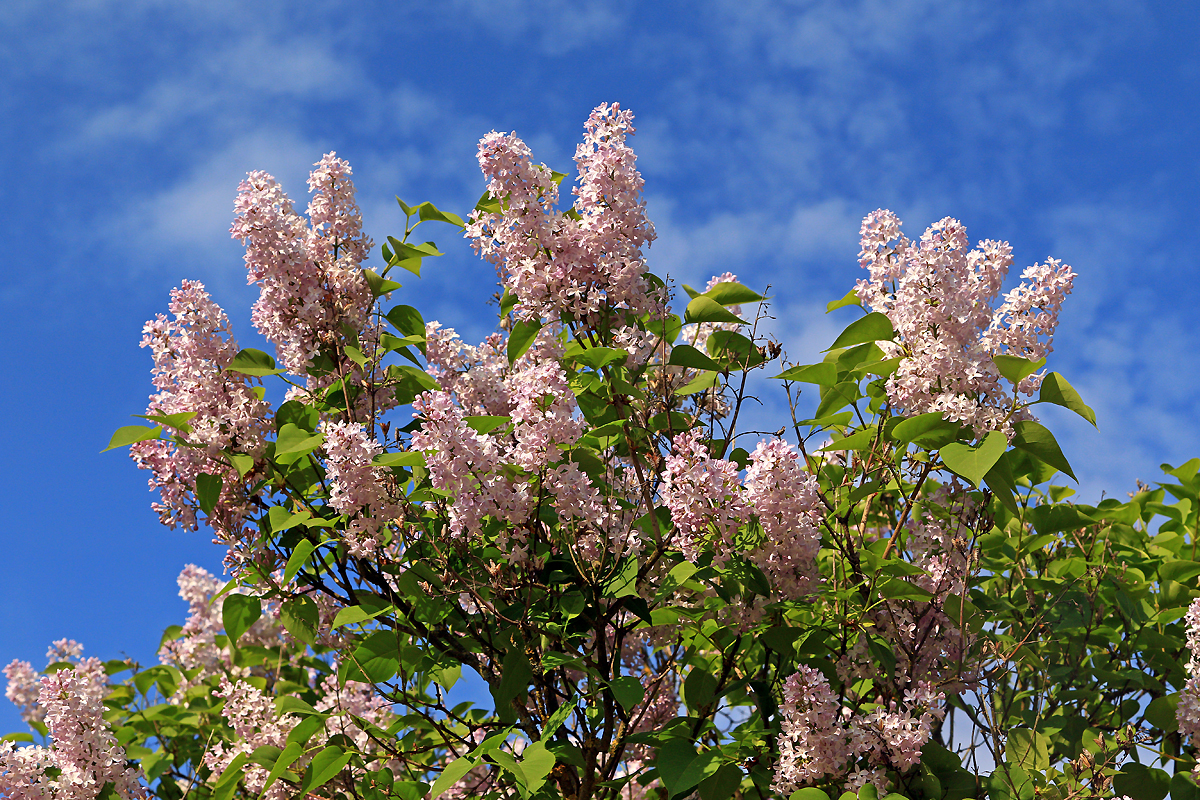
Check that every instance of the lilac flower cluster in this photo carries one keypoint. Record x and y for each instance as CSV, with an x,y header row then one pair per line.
x,y
84,756
1188,710
357,487
308,272
821,739
577,264
493,474
191,353
939,297
709,505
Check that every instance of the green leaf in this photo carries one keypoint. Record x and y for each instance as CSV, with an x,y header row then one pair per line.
x,y
130,434
556,721
836,398
324,767
699,688
722,785
1183,787
1140,782
848,299
684,355
430,212
300,618
377,658
230,775
1015,368
731,293
705,309
735,350
484,423
809,792
703,766
304,549
674,757
1040,443
600,357
285,759
628,691
1181,571
407,320
1056,390
899,589
874,327
520,339
973,463
1004,487
238,613
351,615
1160,713
379,285
408,458
208,492
859,440
823,374
704,380
451,775
515,675
536,763
293,439
1029,749
927,430
253,362
281,519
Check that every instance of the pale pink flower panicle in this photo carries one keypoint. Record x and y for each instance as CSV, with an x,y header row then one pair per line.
x,y
191,352
311,287
83,749
1188,710
785,497
704,497
357,487
575,265
939,297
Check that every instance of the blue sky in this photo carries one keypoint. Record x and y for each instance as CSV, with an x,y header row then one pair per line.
x,y
766,131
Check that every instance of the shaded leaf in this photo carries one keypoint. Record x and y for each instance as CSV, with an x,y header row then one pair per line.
x,y
1041,444
873,327
130,434
705,309
253,362
973,463
238,613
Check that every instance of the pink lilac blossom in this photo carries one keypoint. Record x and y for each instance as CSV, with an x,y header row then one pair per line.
x,y
785,498
466,464
474,375
195,650
357,487
251,714
939,298
24,685
476,469
895,736
308,272
704,497
814,741
84,750
1188,710
558,264
191,353
820,739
